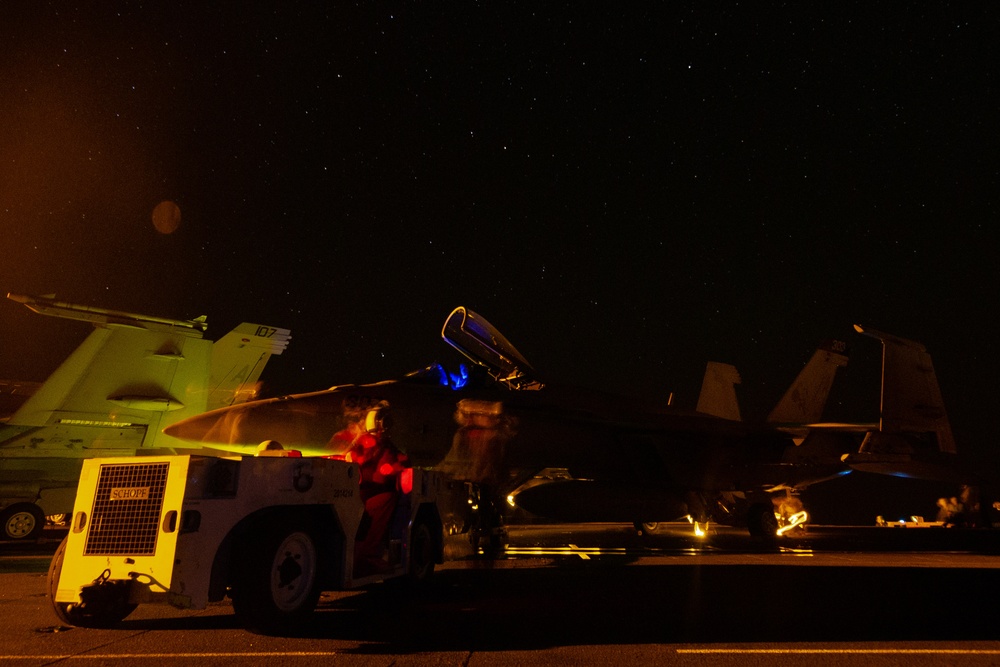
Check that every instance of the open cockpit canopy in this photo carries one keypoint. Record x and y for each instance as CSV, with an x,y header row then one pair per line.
x,y
481,343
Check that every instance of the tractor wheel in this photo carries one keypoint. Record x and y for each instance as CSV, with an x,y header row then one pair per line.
x,y
421,566
277,583
100,612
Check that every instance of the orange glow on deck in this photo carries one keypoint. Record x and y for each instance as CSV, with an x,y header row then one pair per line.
x,y
699,531
797,519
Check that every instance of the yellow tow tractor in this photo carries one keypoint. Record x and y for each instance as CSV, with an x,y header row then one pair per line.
x,y
270,532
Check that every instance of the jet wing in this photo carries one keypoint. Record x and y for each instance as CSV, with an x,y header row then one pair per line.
x,y
46,305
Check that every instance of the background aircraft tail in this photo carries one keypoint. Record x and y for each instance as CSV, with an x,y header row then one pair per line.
x,y
132,376
137,370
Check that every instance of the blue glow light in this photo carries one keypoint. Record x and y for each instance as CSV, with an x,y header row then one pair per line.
x,y
457,381
454,381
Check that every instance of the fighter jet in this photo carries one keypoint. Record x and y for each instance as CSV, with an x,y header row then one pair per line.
x,y
133,375
580,455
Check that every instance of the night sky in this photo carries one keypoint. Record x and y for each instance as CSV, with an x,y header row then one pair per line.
x,y
625,190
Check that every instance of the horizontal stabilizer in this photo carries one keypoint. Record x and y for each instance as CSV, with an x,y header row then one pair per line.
x,y
904,465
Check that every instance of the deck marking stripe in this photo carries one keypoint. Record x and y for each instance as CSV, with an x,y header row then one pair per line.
x,y
845,651
132,656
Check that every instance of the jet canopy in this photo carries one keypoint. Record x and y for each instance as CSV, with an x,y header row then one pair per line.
x,y
481,343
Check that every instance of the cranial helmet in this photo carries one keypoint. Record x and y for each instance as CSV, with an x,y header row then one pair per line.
x,y
377,419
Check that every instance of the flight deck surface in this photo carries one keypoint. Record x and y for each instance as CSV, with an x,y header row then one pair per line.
x,y
596,594
856,546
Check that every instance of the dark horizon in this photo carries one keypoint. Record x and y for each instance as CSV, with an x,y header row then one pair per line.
x,y
625,193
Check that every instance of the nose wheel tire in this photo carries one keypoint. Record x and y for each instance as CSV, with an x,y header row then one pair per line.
x,y
761,521
646,527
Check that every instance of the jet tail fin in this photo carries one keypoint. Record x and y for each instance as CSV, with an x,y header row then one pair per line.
x,y
805,399
718,391
238,358
914,437
911,397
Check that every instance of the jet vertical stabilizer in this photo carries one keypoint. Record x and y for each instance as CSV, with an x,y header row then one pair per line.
x,y
914,437
718,391
911,398
238,359
805,399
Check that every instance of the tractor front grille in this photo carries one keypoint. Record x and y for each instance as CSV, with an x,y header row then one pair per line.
x,y
125,517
